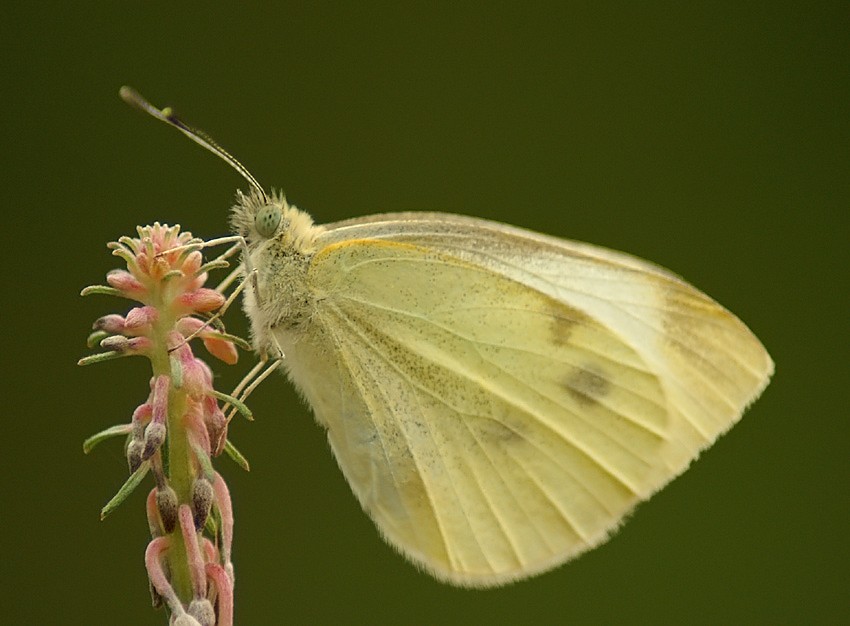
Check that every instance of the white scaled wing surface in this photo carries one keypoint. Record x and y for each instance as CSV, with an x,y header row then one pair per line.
x,y
499,400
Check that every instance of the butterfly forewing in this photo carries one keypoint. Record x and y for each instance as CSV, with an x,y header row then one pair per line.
x,y
711,366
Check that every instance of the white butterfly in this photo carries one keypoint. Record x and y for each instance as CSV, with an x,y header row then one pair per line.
x,y
498,400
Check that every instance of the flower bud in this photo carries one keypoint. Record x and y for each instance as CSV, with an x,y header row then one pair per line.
x,y
192,262
216,423
154,437
197,282
124,281
159,398
166,504
196,376
188,325
202,499
113,324
140,418
119,343
221,349
202,610
140,319
135,451
201,301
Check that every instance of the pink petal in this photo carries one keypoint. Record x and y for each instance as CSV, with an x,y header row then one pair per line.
x,y
225,509
222,349
140,319
124,281
224,587
201,301
156,573
189,325
193,552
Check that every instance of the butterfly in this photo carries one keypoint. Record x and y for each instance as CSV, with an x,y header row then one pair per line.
x,y
499,400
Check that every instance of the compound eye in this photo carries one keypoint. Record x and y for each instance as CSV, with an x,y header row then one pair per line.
x,y
267,220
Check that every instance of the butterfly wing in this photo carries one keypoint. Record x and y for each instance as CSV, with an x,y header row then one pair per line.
x,y
499,400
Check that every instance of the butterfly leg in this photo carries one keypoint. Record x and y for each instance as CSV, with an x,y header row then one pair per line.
x,y
252,380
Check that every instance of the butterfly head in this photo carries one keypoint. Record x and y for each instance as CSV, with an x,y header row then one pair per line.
x,y
261,219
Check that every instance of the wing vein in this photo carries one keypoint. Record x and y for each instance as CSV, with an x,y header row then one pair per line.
x,y
537,417
423,475
365,397
588,349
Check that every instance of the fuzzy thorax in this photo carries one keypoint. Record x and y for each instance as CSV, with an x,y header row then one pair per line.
x,y
284,301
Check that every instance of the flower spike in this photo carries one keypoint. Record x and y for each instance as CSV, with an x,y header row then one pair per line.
x,y
180,427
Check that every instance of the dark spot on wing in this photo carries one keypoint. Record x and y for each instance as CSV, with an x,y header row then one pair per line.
x,y
563,320
587,385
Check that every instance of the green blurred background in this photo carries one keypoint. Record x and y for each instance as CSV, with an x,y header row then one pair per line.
x,y
711,138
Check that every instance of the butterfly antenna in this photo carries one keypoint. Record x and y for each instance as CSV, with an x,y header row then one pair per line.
x,y
135,100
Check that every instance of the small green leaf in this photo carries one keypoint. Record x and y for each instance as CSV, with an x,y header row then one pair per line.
x,y
171,275
126,489
95,338
103,290
237,457
124,253
212,524
131,243
240,406
205,462
112,431
103,356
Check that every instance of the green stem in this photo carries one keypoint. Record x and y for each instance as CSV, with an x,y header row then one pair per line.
x,y
180,472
